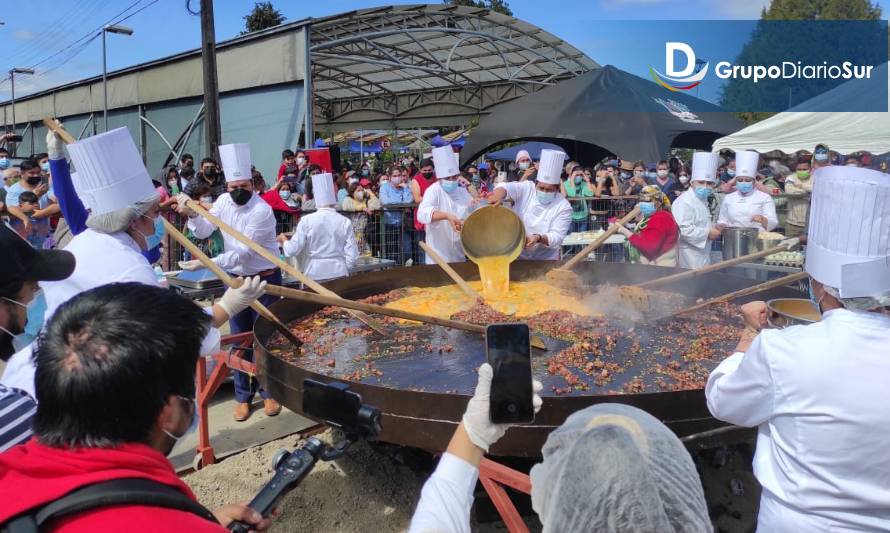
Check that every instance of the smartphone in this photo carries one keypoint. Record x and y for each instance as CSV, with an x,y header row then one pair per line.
x,y
509,354
331,403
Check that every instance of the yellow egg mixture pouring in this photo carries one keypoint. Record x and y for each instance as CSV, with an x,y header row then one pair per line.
x,y
495,274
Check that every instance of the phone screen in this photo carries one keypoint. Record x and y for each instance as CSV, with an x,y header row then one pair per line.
x,y
331,403
509,355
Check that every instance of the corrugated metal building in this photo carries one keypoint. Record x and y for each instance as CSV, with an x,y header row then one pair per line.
x,y
402,66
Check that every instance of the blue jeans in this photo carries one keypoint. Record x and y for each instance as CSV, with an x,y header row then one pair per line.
x,y
398,245
246,386
579,225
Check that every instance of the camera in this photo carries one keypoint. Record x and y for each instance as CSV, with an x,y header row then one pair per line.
x,y
335,405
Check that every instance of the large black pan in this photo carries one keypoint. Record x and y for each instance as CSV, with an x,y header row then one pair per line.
x,y
426,419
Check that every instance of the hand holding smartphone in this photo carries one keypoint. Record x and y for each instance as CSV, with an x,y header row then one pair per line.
x,y
509,354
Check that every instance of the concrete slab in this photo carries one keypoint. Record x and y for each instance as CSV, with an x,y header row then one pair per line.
x,y
229,437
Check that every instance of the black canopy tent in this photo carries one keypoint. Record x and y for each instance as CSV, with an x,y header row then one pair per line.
x,y
604,112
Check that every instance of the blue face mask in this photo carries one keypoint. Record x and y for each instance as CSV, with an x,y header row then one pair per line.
x,y
816,301
154,240
744,187
35,309
44,167
578,180
651,175
730,172
703,192
284,194
449,186
545,198
4,163
646,208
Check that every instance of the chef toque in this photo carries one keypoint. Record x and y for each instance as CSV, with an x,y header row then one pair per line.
x,y
235,160
704,166
550,166
444,161
323,190
110,173
848,241
78,190
746,162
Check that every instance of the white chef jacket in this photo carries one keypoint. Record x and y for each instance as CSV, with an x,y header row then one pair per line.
x,y
737,210
325,244
255,220
440,235
552,220
820,399
447,498
694,219
100,259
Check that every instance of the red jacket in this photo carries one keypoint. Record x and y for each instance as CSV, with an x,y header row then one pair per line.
x,y
424,184
275,202
658,237
33,474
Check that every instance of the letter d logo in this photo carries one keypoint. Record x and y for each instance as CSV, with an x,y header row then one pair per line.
x,y
670,50
679,80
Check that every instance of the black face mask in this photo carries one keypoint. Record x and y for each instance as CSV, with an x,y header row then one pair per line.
x,y
210,173
427,175
34,180
240,196
7,349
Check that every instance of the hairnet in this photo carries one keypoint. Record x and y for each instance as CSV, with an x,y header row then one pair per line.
x,y
119,220
612,467
866,303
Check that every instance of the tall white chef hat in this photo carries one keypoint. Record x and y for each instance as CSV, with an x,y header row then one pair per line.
x,y
235,160
110,173
445,162
848,242
323,189
550,166
704,166
746,162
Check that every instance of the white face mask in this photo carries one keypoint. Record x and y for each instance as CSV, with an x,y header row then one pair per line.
x,y
359,195
662,173
207,199
300,160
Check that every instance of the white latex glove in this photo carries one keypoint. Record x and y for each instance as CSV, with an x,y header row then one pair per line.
x,y
54,146
236,300
790,244
182,200
194,264
476,418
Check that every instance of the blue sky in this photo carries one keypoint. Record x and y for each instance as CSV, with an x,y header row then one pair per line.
x,y
37,29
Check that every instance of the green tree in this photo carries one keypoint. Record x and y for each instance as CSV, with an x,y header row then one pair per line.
x,y
262,16
761,49
501,6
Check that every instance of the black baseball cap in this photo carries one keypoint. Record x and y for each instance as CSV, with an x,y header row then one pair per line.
x,y
21,262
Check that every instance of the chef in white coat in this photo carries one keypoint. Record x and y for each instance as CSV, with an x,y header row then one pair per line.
x,y
324,241
819,394
123,221
546,214
250,215
747,207
444,207
691,212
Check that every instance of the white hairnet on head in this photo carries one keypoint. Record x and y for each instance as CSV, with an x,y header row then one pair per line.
x,y
866,303
612,467
119,220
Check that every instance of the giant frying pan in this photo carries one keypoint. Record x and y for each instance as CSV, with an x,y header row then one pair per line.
x,y
426,416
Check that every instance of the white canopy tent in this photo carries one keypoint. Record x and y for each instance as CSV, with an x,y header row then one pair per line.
x,y
804,126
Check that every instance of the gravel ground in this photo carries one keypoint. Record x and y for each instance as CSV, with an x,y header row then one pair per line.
x,y
362,491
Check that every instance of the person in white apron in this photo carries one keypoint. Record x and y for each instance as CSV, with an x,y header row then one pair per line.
x,y
324,241
818,393
747,207
546,214
697,232
445,205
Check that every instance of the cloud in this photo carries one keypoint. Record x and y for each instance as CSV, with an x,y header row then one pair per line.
x,y
743,9
23,35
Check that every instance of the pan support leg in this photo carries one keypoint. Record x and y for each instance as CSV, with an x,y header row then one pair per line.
x,y
494,477
206,387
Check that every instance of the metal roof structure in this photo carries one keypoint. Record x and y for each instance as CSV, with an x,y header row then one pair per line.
x,y
430,60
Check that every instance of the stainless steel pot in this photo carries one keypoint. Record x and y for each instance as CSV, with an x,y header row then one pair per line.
x,y
766,244
784,312
738,242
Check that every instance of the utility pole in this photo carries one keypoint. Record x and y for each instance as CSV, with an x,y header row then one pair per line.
x,y
212,133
